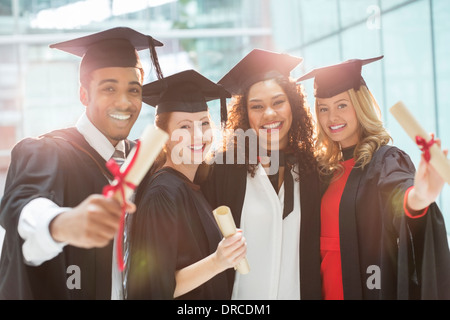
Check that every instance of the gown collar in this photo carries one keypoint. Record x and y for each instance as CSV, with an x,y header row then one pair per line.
x,y
347,153
182,177
286,161
96,139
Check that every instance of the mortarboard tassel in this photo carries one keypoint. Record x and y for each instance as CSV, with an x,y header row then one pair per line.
x,y
154,57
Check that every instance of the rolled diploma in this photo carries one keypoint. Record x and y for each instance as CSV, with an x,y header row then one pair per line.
x,y
438,159
226,224
151,144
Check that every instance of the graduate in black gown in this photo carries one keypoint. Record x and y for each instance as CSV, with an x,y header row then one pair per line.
x,y
175,247
266,173
382,234
59,226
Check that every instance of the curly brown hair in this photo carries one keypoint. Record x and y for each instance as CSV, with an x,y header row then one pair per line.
x,y
301,132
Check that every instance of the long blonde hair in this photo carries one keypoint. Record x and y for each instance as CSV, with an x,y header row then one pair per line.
x,y
372,134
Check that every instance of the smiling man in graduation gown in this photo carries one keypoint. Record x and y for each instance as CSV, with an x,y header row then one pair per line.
x,y
59,227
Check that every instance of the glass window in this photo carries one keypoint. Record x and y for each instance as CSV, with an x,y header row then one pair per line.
x,y
320,54
5,7
389,4
359,11
319,18
441,19
363,42
287,24
409,68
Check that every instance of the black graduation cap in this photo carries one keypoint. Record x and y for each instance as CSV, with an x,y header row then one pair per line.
x,y
116,47
258,65
186,91
332,80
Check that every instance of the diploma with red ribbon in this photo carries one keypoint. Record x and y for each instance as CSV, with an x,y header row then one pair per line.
x,y
431,151
131,173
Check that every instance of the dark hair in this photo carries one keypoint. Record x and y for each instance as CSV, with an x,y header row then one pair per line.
x,y
301,132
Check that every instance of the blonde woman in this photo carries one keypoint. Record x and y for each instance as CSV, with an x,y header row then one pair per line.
x,y
382,236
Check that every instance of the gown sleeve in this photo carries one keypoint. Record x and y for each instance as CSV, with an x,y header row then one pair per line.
x,y
396,176
36,171
423,251
153,246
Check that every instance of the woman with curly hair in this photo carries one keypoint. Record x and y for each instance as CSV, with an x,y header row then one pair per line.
x,y
382,236
267,174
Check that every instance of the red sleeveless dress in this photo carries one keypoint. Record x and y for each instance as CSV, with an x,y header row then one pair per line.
x,y
331,270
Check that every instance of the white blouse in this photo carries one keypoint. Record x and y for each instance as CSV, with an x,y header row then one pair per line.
x,y
272,242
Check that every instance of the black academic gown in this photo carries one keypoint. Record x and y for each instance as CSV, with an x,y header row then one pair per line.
x,y
384,253
172,228
225,184
64,168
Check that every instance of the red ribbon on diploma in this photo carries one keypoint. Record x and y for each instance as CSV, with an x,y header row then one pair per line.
x,y
425,146
118,185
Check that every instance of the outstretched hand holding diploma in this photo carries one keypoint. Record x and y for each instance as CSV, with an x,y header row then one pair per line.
x,y
434,166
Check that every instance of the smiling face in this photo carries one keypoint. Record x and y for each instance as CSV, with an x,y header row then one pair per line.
x,y
113,101
269,112
337,118
191,137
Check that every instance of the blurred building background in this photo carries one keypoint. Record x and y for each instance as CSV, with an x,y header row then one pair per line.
x,y
39,86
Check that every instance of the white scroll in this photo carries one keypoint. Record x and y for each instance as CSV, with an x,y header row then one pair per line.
x,y
226,224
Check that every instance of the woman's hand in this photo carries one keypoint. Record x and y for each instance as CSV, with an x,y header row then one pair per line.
x,y
230,251
427,184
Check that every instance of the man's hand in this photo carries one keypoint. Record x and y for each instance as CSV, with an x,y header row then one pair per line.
x,y
93,223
